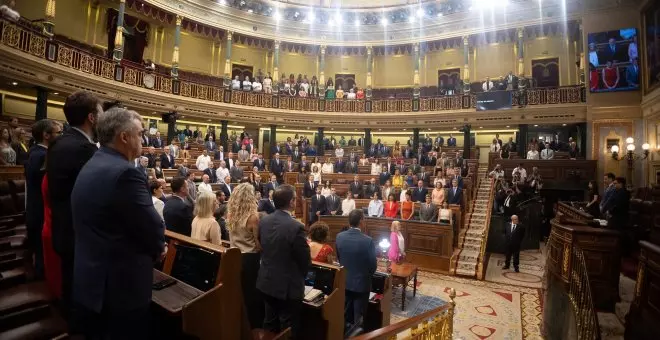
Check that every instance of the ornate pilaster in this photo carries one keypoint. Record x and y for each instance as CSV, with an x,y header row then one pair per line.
x,y
416,70
580,45
521,63
177,42
276,60
50,15
118,52
322,67
466,59
228,59
370,63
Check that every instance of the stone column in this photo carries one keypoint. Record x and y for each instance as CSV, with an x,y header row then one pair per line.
x,y
118,52
177,42
320,147
224,136
322,69
415,141
416,69
521,140
50,15
228,60
276,63
367,140
370,61
583,62
273,138
42,104
466,59
521,63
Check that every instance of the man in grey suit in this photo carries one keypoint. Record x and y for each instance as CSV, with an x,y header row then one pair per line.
x,y
333,203
357,253
285,260
428,212
236,172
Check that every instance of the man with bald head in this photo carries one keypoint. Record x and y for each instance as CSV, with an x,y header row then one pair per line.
x,y
205,185
514,232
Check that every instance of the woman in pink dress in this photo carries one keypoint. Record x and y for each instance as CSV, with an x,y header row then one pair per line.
x,y
397,243
52,266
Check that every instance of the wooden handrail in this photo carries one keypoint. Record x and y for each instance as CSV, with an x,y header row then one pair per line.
x,y
393,330
481,269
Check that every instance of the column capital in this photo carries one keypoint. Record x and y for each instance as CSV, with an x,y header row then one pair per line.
x,y
466,40
229,35
322,50
370,49
276,44
520,31
122,1
178,20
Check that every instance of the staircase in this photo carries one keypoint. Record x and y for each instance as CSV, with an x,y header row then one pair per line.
x,y
471,237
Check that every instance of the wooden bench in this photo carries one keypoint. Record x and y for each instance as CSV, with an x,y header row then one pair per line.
x,y
428,245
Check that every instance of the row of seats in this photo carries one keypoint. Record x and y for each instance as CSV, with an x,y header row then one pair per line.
x,y
26,310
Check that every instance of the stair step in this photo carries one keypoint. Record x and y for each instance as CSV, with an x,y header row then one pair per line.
x,y
49,327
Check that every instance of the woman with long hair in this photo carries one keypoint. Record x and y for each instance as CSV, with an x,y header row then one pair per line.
x,y
204,225
397,243
327,189
7,153
594,200
156,190
319,250
243,225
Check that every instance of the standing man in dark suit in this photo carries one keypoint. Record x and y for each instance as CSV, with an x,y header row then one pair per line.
x,y
273,184
277,167
428,212
340,165
309,189
236,172
317,206
210,171
451,141
156,142
167,160
605,203
424,177
415,167
259,163
419,194
357,253
225,186
113,293
351,167
285,259
455,194
266,204
178,213
440,140
513,234
66,156
333,203
384,176
236,145
275,149
372,188
356,187
44,132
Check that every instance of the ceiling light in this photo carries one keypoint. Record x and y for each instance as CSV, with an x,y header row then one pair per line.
x,y
311,16
14,83
383,21
56,93
481,127
284,126
411,19
277,16
507,126
405,129
338,18
420,12
357,22
331,22
536,125
563,124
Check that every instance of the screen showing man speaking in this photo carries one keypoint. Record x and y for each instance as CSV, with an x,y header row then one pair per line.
x,y
495,100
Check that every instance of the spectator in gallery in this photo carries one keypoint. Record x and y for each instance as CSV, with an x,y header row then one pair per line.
x,y
236,83
487,85
495,146
8,12
632,73
247,84
340,92
610,76
532,153
547,153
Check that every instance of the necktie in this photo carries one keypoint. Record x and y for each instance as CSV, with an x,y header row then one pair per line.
x,y
513,228
508,199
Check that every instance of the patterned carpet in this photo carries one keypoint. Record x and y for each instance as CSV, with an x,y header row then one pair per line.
x,y
532,268
484,310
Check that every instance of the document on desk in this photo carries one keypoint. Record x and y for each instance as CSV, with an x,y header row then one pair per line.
x,y
371,295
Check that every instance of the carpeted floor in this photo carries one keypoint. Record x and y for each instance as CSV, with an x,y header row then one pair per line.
x,y
532,268
484,310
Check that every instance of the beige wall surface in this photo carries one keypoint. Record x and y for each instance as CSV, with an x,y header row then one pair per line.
x,y
441,60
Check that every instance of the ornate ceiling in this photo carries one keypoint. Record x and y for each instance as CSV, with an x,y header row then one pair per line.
x,y
398,23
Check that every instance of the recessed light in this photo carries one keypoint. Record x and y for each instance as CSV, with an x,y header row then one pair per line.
x,y
331,22
411,19
284,126
405,129
333,129
563,124
357,22
507,126
380,129
56,93
383,21
208,120
420,12
277,16
429,129
310,16
338,18
481,127
14,83
536,125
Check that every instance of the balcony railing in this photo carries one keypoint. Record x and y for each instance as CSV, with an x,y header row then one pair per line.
x,y
30,40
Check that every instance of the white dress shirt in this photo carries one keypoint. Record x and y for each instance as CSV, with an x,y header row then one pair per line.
x,y
547,154
522,172
205,187
495,147
487,85
203,162
221,173
339,152
497,174
235,84
375,208
347,206
327,168
159,205
532,154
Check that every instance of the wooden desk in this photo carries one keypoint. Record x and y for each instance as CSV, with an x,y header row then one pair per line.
x,y
401,275
326,321
428,245
173,298
555,170
379,309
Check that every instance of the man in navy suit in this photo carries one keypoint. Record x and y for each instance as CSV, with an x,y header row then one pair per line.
x,y
266,204
272,185
167,160
513,235
285,260
419,194
451,141
259,163
113,292
43,132
66,156
455,194
275,149
357,253
340,165
156,142
317,206
309,189
277,167
178,213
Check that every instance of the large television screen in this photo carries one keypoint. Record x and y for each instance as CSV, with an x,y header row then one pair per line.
x,y
614,61
651,16
493,100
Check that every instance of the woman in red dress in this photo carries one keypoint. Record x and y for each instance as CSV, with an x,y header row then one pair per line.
x,y
52,266
319,250
610,76
391,208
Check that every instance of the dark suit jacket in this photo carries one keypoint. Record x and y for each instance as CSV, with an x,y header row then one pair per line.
x,y
178,216
151,160
166,161
285,256
277,168
351,167
119,235
424,177
383,177
213,177
236,173
429,214
260,164
355,189
156,143
340,166
275,149
225,189
265,205
309,190
369,190
333,203
21,154
419,196
235,147
66,156
34,207
454,199
357,253
269,186
317,206
451,141
514,239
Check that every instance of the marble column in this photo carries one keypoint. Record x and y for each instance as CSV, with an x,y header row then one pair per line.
x,y
370,62
320,150
50,15
273,138
415,140
224,136
42,104
118,52
228,59
583,62
177,42
276,62
416,69
466,59
367,140
520,31
322,69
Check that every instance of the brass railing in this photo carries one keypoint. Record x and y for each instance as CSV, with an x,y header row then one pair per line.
x,y
437,324
30,40
481,269
579,292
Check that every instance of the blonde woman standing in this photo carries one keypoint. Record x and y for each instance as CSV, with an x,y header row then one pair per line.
x,y
204,225
243,222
